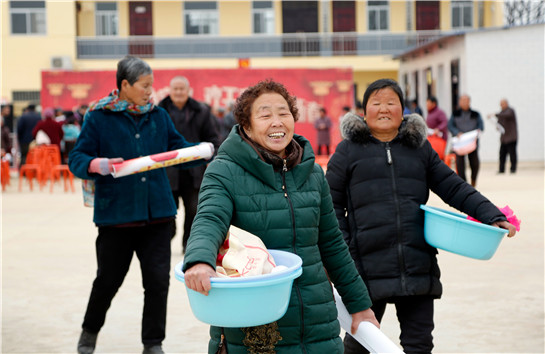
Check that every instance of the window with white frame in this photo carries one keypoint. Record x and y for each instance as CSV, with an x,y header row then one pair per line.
x,y
377,15
201,17
27,17
462,14
263,17
106,19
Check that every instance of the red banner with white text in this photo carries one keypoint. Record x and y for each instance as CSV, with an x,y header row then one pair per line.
x,y
314,88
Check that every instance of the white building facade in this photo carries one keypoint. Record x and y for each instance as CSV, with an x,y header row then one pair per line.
x,y
488,65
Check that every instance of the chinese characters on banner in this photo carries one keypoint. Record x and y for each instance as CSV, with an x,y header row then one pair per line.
x,y
314,88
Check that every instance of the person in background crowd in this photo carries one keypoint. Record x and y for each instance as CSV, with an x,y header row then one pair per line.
x,y
51,128
464,120
6,144
323,127
379,176
436,119
25,125
195,121
71,130
265,181
507,124
80,113
415,108
59,115
134,214
7,115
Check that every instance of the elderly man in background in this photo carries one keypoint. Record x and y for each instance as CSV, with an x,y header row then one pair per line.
x,y
196,123
507,125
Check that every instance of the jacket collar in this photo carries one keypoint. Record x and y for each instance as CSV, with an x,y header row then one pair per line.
x,y
413,131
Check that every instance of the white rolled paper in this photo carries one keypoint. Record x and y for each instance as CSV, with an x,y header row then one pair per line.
x,y
368,334
164,159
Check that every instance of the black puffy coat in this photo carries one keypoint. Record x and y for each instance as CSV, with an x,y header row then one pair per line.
x,y
377,189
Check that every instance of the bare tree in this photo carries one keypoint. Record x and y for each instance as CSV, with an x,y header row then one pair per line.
x,y
524,12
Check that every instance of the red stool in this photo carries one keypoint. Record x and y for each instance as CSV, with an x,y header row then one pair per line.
x,y
64,172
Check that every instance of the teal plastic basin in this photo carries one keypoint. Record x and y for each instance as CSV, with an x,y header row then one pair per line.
x,y
454,233
246,301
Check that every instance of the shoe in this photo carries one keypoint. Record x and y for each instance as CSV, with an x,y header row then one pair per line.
x,y
87,342
500,173
153,349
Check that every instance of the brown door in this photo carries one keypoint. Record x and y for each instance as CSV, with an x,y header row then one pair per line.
x,y
344,20
427,15
140,23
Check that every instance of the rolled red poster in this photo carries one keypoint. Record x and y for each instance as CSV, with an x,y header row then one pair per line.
x,y
170,158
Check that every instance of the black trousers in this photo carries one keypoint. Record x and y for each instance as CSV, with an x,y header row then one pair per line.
x,y
415,315
115,247
474,163
511,150
319,149
190,198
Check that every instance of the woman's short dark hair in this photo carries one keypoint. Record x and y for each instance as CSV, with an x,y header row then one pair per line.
x,y
243,105
379,85
131,68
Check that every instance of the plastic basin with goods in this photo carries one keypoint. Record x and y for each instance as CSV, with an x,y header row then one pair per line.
x,y
452,232
246,301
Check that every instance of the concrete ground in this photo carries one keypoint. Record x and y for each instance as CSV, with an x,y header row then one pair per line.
x,y
48,265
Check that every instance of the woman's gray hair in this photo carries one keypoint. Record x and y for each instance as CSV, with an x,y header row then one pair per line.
x,y
131,68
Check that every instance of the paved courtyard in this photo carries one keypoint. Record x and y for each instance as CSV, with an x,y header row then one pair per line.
x,y
48,265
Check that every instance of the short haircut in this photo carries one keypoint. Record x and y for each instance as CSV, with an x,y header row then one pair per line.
x,y
379,85
181,78
243,105
432,99
131,68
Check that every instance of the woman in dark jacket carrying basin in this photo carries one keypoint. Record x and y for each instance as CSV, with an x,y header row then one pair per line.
x,y
265,180
379,176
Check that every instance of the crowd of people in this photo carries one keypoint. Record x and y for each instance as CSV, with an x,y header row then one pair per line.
x,y
349,227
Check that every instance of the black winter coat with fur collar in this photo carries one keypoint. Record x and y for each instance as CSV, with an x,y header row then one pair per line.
x,y
377,189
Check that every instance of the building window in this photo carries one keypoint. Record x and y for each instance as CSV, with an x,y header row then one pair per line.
x,y
106,19
27,17
201,17
462,14
377,14
263,17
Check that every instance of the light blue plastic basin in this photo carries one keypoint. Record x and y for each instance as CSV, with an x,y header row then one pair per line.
x,y
246,301
454,233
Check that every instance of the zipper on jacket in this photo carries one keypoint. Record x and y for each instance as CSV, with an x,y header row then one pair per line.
x,y
296,281
400,256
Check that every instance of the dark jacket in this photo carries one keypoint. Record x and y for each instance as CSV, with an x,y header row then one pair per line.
x,y
25,125
377,189
459,123
198,125
241,189
508,121
138,197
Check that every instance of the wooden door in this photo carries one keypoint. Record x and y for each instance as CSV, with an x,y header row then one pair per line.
x,y
427,15
141,24
344,20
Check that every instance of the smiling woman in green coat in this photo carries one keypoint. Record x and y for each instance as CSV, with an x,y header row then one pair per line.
x,y
265,181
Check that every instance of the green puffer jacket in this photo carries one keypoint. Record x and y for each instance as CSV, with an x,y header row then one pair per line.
x,y
241,189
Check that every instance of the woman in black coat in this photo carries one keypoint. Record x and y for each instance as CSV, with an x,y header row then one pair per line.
x,y
379,176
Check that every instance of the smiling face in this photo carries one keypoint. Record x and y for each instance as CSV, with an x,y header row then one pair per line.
x,y
384,114
139,93
271,123
179,92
